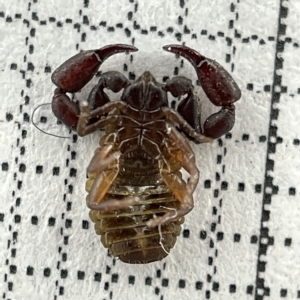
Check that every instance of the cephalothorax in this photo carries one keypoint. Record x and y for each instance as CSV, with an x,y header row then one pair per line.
x,y
135,189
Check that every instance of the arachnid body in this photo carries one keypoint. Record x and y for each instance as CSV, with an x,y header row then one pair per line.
x,y
135,189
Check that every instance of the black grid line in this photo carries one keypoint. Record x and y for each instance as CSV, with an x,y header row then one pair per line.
x,y
261,290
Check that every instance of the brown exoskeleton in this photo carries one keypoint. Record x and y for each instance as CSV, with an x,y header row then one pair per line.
x,y
135,189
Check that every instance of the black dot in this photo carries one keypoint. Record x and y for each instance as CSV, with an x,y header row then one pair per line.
x,y
13,66
236,237
39,169
298,294
262,138
288,242
131,76
283,293
61,290
30,67
210,260
224,186
17,219
228,136
207,184
5,166
19,185
203,235
148,281
47,69
68,223
22,150
249,289
9,117
199,285
296,142
73,155
232,288
51,221
158,273
253,239
214,211
181,283
127,32
258,188
69,206
186,233
245,137
156,291
47,272
64,273
97,277
241,187
80,275
267,88
165,282
29,271
13,252
22,168
64,257
85,224
12,269
55,171
215,286
73,172
292,191
213,227
1,217
250,86
114,278
131,279
220,236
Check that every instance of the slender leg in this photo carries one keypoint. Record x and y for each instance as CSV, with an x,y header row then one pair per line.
x,y
175,117
100,160
83,128
109,169
182,152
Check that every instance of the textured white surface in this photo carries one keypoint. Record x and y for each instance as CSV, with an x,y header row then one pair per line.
x,y
252,204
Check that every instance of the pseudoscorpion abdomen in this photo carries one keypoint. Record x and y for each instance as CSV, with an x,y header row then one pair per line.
x,y
124,231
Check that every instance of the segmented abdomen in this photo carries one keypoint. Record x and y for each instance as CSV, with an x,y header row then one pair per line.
x,y
124,231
